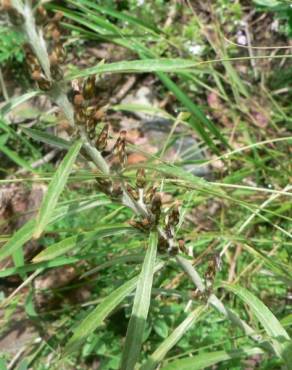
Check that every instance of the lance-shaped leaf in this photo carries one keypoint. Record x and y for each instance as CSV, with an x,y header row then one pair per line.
x,y
66,245
278,335
99,314
140,310
55,189
204,360
159,354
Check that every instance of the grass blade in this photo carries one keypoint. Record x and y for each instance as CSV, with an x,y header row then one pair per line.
x,y
159,354
141,305
98,315
137,66
279,337
14,102
55,189
20,237
46,138
68,244
207,359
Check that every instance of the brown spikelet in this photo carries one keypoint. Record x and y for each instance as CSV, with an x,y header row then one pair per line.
x,y
156,206
136,225
120,148
56,72
117,191
56,34
79,116
181,246
6,5
89,87
173,218
132,192
60,52
104,185
140,178
41,15
36,75
78,99
162,244
44,84
102,139
150,194
14,16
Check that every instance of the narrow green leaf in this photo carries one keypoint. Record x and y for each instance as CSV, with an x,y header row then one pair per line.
x,y
207,359
46,138
68,244
55,189
159,354
141,305
25,233
14,102
16,158
120,15
98,315
137,66
279,337
56,262
20,237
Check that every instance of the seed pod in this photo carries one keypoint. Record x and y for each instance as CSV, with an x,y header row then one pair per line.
x,y
146,223
156,206
90,127
15,17
150,194
41,15
36,75
89,111
168,232
174,250
173,218
136,225
132,192
31,60
59,52
6,5
104,185
58,16
181,246
44,84
211,271
140,178
49,29
162,245
79,116
120,148
102,139
56,34
78,99
57,72
89,87
117,191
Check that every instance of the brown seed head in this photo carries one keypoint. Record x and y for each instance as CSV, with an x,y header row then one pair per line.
x,y
174,216
78,100
140,178
44,84
156,206
102,139
89,87
41,15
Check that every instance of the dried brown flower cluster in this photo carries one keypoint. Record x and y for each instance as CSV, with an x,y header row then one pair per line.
x,y
14,16
54,47
142,197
